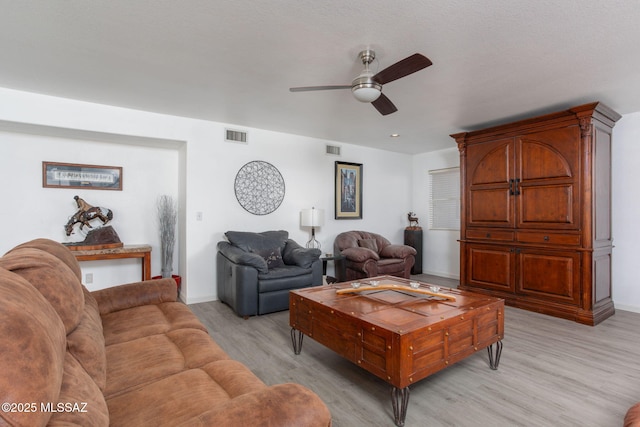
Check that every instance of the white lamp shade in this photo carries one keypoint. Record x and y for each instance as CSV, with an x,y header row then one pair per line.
x,y
312,217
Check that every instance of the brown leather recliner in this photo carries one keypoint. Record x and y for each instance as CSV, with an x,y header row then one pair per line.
x,y
369,255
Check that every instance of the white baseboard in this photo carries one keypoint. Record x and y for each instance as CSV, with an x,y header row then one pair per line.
x,y
624,307
442,274
199,299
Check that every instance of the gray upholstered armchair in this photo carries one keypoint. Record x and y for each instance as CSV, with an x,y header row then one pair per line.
x,y
369,255
255,271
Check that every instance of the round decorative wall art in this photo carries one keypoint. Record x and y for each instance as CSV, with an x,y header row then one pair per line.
x,y
259,187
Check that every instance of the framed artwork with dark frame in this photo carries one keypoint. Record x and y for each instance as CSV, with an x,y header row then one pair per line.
x,y
73,175
348,190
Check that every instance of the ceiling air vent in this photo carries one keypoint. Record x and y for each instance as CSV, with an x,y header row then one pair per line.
x,y
235,136
334,150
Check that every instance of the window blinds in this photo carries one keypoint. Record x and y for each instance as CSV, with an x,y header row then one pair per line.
x,y
444,206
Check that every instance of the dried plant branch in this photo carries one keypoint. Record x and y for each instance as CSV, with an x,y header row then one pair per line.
x,y
167,218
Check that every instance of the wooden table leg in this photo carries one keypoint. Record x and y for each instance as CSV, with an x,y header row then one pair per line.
x,y
146,266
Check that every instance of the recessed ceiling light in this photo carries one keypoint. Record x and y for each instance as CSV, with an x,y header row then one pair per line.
x,y
394,135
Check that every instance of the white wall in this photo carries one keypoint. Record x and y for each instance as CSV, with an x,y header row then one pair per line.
x,y
626,212
195,161
32,211
441,250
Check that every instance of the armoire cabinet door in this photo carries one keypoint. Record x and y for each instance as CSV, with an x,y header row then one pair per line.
x,y
490,169
490,267
549,275
547,175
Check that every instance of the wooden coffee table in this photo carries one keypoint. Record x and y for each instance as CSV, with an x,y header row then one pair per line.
x,y
401,335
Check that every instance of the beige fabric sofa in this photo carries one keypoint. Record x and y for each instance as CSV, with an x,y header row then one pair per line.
x,y
129,355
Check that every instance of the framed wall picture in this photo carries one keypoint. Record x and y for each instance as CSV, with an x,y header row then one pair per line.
x,y
73,175
348,188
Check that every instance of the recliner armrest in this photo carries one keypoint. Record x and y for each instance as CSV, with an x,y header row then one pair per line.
x,y
238,256
397,251
135,294
294,254
359,254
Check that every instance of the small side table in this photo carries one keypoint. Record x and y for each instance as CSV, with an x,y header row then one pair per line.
x,y
339,265
127,251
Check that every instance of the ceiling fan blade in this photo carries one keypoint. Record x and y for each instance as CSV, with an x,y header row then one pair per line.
x,y
408,65
310,88
384,105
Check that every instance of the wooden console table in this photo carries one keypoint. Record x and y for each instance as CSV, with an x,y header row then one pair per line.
x,y
126,251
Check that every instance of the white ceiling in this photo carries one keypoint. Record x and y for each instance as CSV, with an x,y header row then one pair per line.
x,y
233,61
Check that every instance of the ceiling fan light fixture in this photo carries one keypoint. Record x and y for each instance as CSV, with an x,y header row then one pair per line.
x,y
366,94
365,89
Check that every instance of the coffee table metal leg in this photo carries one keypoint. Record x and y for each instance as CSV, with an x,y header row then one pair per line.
x,y
296,340
494,358
400,401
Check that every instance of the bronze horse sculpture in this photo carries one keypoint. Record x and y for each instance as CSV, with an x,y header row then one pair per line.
x,y
87,213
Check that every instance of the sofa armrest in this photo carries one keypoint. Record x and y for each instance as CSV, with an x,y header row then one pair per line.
x,y
136,294
397,251
278,405
359,254
294,254
239,256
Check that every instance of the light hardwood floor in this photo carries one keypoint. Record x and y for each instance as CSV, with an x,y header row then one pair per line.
x,y
553,372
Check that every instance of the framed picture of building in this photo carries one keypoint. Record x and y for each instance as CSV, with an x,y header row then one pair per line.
x,y
348,190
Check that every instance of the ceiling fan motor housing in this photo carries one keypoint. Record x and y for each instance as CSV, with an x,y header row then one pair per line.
x,y
363,87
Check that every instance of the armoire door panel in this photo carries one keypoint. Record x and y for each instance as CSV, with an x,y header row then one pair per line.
x,y
491,162
546,206
602,185
490,207
602,276
490,267
542,161
551,275
553,153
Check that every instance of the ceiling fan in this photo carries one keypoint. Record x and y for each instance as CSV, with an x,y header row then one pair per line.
x,y
367,87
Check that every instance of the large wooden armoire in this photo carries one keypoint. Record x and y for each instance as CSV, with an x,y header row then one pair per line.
x,y
536,212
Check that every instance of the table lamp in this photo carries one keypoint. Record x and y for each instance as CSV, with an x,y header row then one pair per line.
x,y
312,218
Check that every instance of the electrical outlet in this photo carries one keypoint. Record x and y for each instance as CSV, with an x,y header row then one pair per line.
x,y
88,278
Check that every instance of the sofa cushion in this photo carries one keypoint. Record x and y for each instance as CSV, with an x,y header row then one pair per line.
x,y
397,251
268,245
144,360
294,254
52,278
82,401
282,279
145,320
272,256
369,244
56,249
283,272
86,342
185,395
358,254
33,350
238,256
